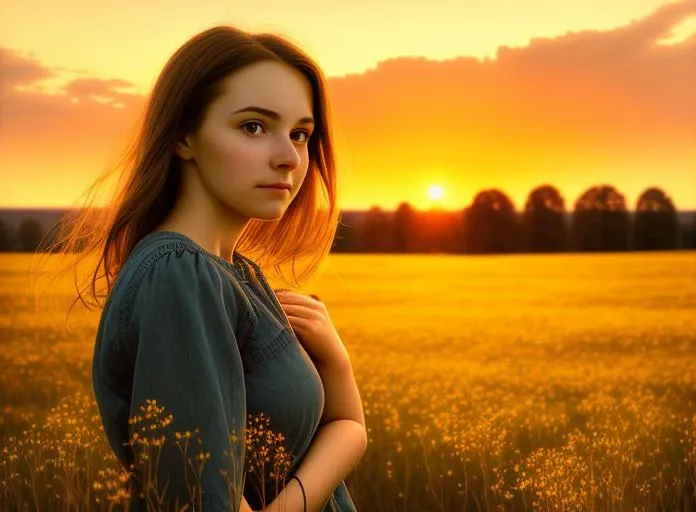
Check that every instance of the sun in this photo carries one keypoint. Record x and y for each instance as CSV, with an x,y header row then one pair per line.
x,y
435,192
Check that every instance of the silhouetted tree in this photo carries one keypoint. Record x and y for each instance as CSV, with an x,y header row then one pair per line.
x,y
543,221
490,224
655,225
600,221
374,234
689,234
29,235
404,229
6,244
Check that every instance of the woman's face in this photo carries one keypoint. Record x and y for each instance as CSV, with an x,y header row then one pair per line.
x,y
236,151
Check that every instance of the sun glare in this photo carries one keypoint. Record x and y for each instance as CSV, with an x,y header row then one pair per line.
x,y
435,192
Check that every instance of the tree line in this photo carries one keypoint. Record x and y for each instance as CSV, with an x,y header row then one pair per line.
x,y
599,221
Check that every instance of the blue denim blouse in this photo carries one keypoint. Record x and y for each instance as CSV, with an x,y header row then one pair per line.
x,y
208,340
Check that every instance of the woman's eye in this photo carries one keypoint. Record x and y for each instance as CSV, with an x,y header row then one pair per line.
x,y
306,135
252,123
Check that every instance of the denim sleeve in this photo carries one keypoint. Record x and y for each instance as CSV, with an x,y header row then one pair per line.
x,y
186,358
340,500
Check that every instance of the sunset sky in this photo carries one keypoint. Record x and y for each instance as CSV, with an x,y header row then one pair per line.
x,y
462,95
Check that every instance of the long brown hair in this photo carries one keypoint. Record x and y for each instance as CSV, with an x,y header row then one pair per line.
x,y
148,184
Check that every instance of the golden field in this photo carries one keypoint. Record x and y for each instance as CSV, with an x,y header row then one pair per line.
x,y
516,382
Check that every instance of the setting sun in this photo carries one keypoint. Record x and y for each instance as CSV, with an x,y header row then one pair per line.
x,y
435,192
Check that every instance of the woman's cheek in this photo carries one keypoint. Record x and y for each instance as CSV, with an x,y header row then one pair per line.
x,y
244,155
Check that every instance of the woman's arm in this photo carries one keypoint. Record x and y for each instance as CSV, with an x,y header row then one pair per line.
x,y
336,449
184,352
341,440
341,395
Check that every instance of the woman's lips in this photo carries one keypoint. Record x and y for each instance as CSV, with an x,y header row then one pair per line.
x,y
276,189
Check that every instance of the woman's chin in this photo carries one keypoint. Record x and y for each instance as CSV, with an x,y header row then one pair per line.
x,y
268,213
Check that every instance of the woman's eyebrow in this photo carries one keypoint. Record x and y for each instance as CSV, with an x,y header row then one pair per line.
x,y
271,114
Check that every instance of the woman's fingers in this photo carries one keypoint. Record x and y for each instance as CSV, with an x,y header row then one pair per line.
x,y
298,310
291,297
299,324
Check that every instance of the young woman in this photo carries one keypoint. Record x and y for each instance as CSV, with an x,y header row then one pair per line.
x,y
234,148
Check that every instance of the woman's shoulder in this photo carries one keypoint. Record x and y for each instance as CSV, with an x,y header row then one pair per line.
x,y
163,265
174,256
156,250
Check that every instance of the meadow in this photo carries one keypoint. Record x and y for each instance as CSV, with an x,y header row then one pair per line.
x,y
499,382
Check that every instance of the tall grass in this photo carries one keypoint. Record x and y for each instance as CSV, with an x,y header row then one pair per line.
x,y
517,382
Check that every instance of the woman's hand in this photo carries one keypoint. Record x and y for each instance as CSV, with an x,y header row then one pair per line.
x,y
312,325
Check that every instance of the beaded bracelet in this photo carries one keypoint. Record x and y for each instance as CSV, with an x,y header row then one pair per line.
x,y
304,496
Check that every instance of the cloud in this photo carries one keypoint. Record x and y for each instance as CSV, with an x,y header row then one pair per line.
x,y
579,93
17,70
82,109
96,87
628,60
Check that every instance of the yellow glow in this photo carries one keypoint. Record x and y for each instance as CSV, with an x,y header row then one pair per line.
x,y
435,192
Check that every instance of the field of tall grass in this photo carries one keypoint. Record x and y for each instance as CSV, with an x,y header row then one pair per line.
x,y
516,382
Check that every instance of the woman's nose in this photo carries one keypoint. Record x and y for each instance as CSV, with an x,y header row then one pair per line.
x,y
286,155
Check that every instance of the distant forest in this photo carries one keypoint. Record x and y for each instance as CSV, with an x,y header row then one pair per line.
x,y
599,221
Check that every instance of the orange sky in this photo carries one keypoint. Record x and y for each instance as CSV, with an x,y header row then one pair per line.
x,y
504,94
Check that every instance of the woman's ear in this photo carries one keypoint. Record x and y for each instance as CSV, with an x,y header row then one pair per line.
x,y
183,148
